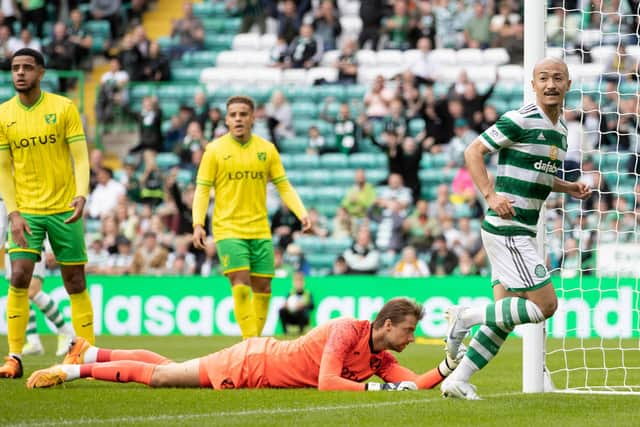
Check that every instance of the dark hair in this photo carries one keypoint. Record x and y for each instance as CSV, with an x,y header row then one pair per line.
x,y
396,310
26,51
241,99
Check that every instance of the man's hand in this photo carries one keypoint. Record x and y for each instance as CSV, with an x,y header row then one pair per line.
x,y
451,362
501,205
579,190
78,206
199,237
18,227
399,386
306,223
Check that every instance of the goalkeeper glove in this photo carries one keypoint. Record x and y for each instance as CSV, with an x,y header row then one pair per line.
x,y
450,363
400,386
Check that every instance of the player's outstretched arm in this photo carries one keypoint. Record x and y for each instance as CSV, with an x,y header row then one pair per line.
x,y
579,190
292,200
7,181
204,182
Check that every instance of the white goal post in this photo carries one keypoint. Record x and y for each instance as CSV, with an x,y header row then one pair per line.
x,y
594,337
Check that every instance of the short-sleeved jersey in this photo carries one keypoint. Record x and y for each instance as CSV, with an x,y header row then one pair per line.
x,y
38,138
239,174
531,150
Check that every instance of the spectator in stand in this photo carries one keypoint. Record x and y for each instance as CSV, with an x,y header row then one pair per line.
x,y
318,224
110,229
119,264
288,21
442,205
317,143
112,95
463,137
371,14
208,264
395,121
104,197
178,128
278,53
390,211
563,27
462,187
130,58
95,163
200,105
296,259
362,257
420,228
149,126
136,12
81,39
340,266
397,26
280,117
108,10
377,100
189,31
5,48
252,12
360,197
151,181
467,239
345,128
34,12
10,13
424,68
506,16
25,40
213,124
61,54
342,224
306,50
466,266
282,269
347,63
97,257
283,226
597,182
189,150
180,261
511,37
141,42
443,260
409,265
326,24
298,305
476,32
150,258
157,67
426,23
182,200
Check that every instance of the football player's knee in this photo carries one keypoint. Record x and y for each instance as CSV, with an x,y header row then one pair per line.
x,y
20,278
548,308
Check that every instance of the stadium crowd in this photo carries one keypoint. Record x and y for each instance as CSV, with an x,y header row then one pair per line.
x,y
139,217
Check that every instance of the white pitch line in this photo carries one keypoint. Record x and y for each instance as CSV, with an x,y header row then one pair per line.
x,y
251,412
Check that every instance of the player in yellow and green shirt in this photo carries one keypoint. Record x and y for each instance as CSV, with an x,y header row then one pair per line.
x,y
238,166
44,181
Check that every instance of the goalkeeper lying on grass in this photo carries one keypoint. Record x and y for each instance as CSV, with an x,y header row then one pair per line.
x,y
338,355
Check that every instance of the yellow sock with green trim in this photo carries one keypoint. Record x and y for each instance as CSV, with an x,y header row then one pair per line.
x,y
82,315
17,318
261,309
243,310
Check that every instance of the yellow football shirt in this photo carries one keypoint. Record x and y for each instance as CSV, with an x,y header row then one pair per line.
x,y
239,174
38,139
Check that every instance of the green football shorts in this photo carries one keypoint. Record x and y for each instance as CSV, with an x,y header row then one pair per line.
x,y
255,255
67,240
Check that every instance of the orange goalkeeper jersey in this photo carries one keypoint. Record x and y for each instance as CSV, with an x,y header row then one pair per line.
x,y
334,356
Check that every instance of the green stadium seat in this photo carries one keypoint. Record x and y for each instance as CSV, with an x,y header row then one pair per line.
x,y
440,89
461,210
503,91
186,74
204,10
232,25
318,178
287,161
429,192
185,177
320,260
169,108
304,110
325,128
304,162
6,92
337,246
517,93
416,126
166,43
98,28
325,91
202,58
334,161
330,195
431,176
326,210
140,90
307,194
97,44
297,93
311,244
298,177
500,105
376,176
294,145
214,24
301,126
167,160
356,92
259,94
515,104
342,177
363,160
218,42
439,160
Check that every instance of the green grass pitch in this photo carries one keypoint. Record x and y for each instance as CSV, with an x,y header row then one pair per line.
x,y
84,402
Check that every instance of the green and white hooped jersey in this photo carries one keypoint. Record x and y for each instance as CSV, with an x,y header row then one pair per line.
x,y
531,150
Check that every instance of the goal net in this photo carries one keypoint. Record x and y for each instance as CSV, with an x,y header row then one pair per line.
x,y
593,247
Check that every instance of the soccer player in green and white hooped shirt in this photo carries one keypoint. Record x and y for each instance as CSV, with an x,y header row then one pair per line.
x,y
532,143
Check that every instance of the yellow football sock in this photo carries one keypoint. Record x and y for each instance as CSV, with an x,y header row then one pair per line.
x,y
243,310
17,318
261,309
82,315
